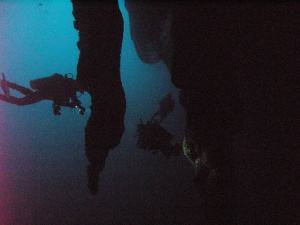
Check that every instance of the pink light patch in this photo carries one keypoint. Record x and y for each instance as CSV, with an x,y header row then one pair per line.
x,y
4,181
6,199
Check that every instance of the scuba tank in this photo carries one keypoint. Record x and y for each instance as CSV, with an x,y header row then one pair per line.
x,y
50,81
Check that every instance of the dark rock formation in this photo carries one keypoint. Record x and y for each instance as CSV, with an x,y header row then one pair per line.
x,y
204,66
150,33
100,26
221,52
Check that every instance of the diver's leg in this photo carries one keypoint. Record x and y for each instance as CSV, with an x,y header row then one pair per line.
x,y
27,100
21,89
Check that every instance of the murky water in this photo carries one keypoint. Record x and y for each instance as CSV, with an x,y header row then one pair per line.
x,y
42,163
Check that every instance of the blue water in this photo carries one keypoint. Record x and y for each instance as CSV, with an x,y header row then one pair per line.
x,y
42,163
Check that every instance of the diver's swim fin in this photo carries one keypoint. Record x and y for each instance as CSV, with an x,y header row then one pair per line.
x,y
4,86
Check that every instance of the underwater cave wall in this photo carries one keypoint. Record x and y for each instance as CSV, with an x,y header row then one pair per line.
x,y
236,65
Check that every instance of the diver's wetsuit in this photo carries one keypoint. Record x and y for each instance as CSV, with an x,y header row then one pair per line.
x,y
165,107
59,94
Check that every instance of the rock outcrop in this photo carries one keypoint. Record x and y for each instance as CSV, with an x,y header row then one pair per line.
x,y
100,26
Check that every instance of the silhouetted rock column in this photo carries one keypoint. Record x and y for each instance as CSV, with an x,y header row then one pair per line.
x,y
100,26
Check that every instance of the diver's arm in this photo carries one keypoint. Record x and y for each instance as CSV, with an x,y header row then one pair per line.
x,y
56,107
72,104
76,103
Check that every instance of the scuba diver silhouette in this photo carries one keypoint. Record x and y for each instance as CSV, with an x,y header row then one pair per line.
x,y
58,88
154,138
166,106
